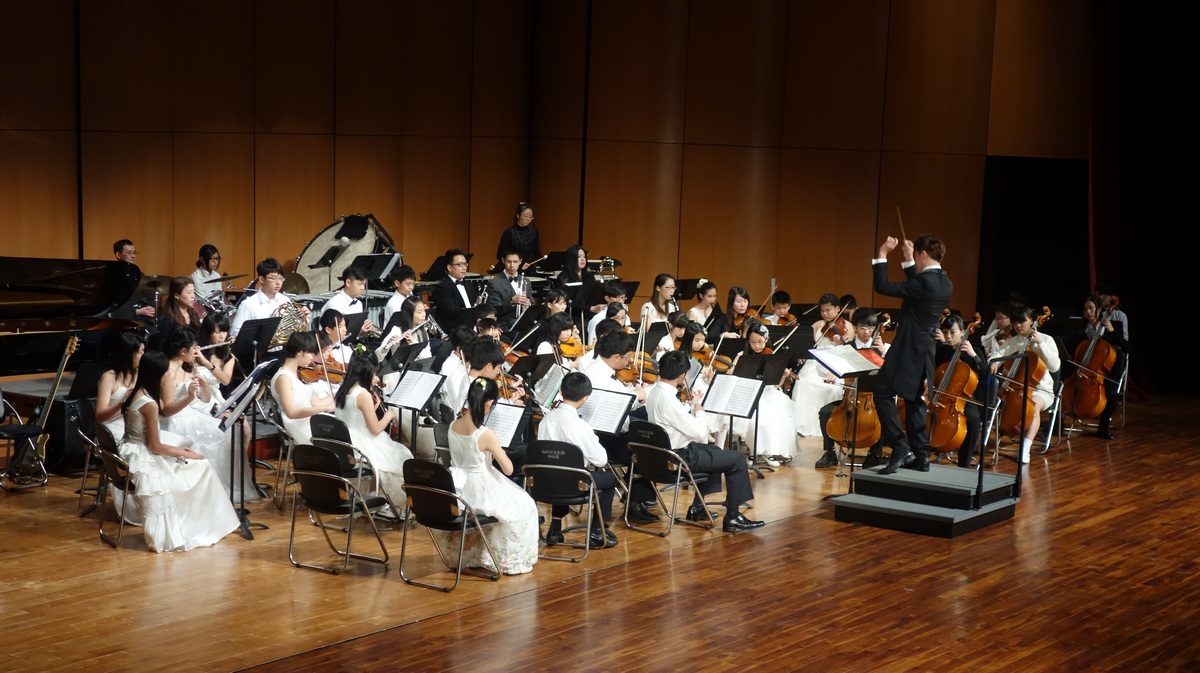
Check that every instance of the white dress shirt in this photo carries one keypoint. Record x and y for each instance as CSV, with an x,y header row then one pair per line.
x,y
563,424
255,307
664,408
394,303
344,304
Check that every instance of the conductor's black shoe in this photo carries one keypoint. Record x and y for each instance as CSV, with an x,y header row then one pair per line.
x,y
827,460
739,523
607,541
920,462
898,460
638,512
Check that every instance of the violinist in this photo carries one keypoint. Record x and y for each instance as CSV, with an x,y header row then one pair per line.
x,y
676,327
781,309
560,331
832,328
355,405
701,372
297,400
865,336
812,389
999,330
1098,326
1025,336
737,309
332,326
706,312
662,302
603,329
614,293
776,431
950,337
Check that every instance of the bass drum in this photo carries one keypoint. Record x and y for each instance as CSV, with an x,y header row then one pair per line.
x,y
327,256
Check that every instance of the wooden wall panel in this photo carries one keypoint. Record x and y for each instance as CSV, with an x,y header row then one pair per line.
x,y
729,215
500,80
836,62
499,170
632,208
638,77
39,198
437,199
127,193
125,65
370,179
294,66
293,193
435,52
827,232
735,72
554,187
212,47
939,194
37,48
1039,93
370,98
938,75
559,42
214,200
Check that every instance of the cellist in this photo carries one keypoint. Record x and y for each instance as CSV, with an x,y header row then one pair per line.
x,y
1093,311
865,336
1025,336
950,337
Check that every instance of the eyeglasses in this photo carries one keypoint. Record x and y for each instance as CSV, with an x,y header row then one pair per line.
x,y
274,277
215,258
458,263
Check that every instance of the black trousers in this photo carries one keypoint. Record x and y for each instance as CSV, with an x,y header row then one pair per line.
x,y
606,485
823,416
913,436
714,461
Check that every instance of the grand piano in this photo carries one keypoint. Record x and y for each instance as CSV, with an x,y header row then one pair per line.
x,y
44,302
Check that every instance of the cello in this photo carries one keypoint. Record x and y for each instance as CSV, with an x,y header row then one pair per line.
x,y
854,423
1018,403
1084,394
947,422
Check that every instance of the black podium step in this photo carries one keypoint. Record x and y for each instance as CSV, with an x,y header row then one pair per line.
x,y
912,517
941,486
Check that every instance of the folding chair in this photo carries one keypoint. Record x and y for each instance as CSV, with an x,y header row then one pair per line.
x,y
23,468
556,474
104,440
654,459
323,490
434,503
115,474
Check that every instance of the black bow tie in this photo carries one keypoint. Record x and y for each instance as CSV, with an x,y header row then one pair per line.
x,y
353,302
457,282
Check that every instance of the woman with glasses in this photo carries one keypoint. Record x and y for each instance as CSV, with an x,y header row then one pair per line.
x,y
662,302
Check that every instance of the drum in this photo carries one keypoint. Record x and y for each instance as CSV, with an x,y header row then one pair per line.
x,y
328,254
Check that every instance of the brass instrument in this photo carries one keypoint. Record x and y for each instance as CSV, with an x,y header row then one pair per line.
x,y
291,319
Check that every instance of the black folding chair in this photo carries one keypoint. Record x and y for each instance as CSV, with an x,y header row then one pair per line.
x,y
556,474
656,462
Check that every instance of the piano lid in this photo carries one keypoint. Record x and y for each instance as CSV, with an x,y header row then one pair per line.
x,y
35,287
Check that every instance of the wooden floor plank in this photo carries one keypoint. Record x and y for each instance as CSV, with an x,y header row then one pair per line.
x,y
1097,571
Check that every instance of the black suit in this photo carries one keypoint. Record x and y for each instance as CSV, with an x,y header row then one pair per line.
x,y
909,363
448,304
500,294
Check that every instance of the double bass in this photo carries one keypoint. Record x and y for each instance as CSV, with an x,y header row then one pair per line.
x,y
1083,394
947,421
1018,403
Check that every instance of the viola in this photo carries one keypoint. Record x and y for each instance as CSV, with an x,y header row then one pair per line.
x,y
947,420
1018,403
1083,393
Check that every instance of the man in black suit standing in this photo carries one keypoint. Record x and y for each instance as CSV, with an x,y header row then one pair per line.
x,y
509,291
454,300
926,291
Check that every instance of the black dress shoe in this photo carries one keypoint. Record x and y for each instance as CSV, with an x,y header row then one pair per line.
x,y
607,541
554,536
872,460
697,513
827,460
898,460
739,523
920,462
639,513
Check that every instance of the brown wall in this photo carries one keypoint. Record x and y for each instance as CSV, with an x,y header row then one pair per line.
x,y
737,141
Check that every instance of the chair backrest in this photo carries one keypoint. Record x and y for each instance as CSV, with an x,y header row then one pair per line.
x,y
105,439
116,470
324,425
651,446
430,506
441,435
347,458
446,413
318,470
86,409
556,471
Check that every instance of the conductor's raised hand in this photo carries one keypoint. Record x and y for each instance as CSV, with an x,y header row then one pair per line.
x,y
907,249
887,246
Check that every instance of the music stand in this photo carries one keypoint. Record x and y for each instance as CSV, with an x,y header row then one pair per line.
x,y
437,270
554,261
596,296
378,267
795,337
254,339
413,392
686,288
241,397
354,321
532,368
400,358
654,334
730,395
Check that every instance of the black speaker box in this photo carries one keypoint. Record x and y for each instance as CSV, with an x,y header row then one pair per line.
x,y
65,452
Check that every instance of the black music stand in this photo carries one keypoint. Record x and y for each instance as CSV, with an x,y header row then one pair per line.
x,y
531,368
254,339
686,288
554,261
401,358
654,334
378,267
354,321
859,374
596,296
242,397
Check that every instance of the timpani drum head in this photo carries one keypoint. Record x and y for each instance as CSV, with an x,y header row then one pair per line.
x,y
327,256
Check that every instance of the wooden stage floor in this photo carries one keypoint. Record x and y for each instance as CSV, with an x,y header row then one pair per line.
x,y
1097,571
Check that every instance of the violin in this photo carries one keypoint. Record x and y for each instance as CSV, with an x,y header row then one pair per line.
x,y
572,348
642,368
839,325
1018,403
321,370
741,318
1083,394
947,422
510,388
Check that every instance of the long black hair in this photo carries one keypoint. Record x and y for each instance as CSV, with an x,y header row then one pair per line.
x,y
570,270
211,323
480,392
150,373
361,371
124,347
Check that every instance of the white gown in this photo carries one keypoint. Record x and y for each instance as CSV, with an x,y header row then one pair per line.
x,y
776,427
183,503
298,429
116,426
809,394
387,457
196,422
514,537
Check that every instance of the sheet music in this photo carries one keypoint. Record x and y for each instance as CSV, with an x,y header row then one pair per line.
x,y
606,409
732,395
546,390
844,360
504,420
414,389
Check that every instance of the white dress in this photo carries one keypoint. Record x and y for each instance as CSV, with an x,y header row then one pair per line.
x,y
196,422
514,537
183,503
809,394
776,432
387,457
116,426
298,429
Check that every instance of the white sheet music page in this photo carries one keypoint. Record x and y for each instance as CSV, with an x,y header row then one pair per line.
x,y
503,420
546,389
414,389
732,395
843,360
605,409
